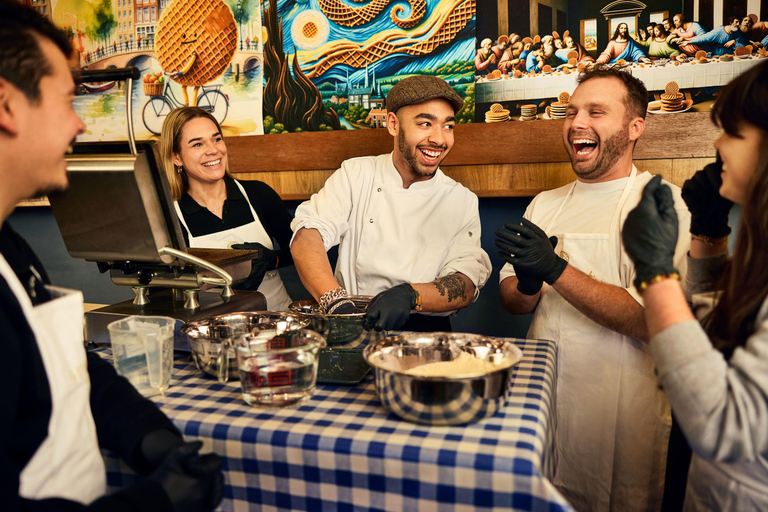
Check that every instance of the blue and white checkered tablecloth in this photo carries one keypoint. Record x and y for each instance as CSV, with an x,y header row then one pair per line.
x,y
341,450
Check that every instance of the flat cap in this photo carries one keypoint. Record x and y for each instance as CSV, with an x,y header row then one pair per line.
x,y
420,88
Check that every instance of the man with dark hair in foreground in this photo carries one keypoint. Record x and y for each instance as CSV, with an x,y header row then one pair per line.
x,y
60,404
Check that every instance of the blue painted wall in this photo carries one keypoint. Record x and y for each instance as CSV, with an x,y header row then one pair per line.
x,y
485,316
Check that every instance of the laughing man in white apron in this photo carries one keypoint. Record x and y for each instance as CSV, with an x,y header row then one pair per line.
x,y
219,212
613,421
60,405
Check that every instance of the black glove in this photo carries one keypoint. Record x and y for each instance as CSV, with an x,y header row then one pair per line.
x,y
266,261
156,446
192,482
391,308
526,283
343,306
650,232
528,248
709,210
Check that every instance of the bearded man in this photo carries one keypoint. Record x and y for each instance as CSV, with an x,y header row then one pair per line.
x,y
613,421
406,232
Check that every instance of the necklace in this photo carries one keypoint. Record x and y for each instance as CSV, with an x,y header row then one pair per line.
x,y
217,209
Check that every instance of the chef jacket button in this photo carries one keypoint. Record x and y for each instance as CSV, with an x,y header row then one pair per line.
x,y
371,221
378,189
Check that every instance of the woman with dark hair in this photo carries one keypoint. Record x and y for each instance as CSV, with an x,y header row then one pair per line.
x,y
218,211
715,373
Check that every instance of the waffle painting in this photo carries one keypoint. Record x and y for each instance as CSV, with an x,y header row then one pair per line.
x,y
330,63
207,53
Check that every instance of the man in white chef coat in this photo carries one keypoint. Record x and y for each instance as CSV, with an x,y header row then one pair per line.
x,y
60,405
406,232
566,265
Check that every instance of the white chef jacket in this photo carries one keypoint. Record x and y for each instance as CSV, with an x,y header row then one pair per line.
x,y
612,419
387,234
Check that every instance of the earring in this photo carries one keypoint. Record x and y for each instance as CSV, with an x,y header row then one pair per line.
x,y
179,169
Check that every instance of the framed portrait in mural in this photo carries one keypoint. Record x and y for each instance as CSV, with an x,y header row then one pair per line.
x,y
698,46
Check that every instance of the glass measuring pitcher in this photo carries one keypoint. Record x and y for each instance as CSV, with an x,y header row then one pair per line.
x,y
278,367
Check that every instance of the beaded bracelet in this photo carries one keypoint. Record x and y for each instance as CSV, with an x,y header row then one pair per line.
x,y
657,279
330,296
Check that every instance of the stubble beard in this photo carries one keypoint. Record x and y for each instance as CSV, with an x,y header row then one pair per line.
x,y
409,154
612,150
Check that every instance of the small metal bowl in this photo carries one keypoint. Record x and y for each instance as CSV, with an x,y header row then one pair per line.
x,y
450,400
337,329
207,335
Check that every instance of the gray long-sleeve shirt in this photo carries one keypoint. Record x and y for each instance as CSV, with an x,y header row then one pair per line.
x,y
722,406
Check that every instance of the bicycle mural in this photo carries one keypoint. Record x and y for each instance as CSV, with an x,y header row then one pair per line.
x,y
208,53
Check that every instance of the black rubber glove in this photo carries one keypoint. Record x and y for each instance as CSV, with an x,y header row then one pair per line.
x,y
528,248
156,446
391,308
709,210
343,306
194,483
266,261
650,232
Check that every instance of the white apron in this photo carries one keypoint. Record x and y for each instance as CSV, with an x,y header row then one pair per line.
x,y
613,420
272,286
68,464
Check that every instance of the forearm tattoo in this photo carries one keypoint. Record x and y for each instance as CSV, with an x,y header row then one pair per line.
x,y
453,285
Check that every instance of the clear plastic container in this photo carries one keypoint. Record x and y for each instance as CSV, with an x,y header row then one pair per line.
x,y
142,347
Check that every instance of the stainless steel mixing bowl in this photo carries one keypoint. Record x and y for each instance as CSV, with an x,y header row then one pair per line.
x,y
337,329
206,336
449,400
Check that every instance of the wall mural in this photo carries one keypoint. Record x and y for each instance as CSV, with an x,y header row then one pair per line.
x,y
195,52
682,55
330,63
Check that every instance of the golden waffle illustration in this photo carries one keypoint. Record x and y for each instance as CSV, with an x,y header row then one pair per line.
x,y
341,14
497,114
443,31
742,51
528,112
672,99
205,28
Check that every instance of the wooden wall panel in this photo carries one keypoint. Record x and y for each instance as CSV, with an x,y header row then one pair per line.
x,y
501,160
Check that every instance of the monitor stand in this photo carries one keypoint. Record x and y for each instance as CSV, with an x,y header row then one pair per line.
x,y
162,303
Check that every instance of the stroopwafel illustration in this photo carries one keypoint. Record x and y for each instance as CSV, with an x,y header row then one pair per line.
x,y
197,39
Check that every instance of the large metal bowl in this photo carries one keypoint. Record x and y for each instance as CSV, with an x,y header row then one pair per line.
x,y
449,400
207,335
337,329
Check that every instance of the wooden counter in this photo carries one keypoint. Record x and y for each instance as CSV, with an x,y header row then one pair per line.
x,y
493,160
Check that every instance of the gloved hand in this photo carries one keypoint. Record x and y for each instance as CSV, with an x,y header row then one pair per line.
x,y
156,445
709,210
266,261
391,308
193,482
343,306
530,251
526,283
650,232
